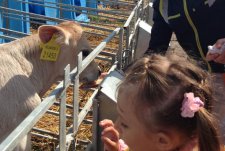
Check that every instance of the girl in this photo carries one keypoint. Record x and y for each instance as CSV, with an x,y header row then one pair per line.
x,y
164,104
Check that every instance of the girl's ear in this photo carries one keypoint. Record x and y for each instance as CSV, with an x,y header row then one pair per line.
x,y
46,32
164,142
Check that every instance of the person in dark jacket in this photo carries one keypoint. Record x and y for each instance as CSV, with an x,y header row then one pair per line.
x,y
196,24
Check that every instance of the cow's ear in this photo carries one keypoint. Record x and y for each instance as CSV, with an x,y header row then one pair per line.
x,y
46,32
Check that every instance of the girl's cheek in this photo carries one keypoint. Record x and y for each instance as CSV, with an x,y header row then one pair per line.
x,y
118,126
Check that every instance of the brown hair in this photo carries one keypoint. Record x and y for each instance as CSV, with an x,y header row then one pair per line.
x,y
161,82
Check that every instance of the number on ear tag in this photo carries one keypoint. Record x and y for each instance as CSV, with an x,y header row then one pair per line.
x,y
50,50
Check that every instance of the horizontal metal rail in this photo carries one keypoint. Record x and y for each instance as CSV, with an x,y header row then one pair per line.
x,y
67,106
105,24
79,9
93,33
122,3
45,136
55,135
71,8
57,20
125,3
21,34
45,132
57,113
98,49
7,37
105,53
127,23
104,59
13,31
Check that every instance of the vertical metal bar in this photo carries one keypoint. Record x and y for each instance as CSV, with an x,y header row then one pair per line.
x,y
95,126
76,94
127,55
62,124
147,14
60,9
51,10
141,14
6,19
26,23
1,21
120,52
128,45
127,30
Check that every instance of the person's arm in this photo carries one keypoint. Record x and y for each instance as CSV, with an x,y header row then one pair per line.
x,y
161,32
218,57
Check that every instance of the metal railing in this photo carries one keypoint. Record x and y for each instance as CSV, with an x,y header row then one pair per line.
x,y
65,137
130,27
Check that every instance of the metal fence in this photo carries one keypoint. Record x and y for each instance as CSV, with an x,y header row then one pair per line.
x,y
60,90
21,13
119,59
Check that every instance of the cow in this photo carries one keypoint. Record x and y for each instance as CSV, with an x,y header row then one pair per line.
x,y
30,65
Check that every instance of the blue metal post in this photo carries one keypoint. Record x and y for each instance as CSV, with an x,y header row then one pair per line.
x,y
19,22
1,22
92,4
51,10
37,9
68,14
77,3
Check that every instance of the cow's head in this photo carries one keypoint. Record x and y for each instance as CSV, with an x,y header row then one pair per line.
x,y
70,37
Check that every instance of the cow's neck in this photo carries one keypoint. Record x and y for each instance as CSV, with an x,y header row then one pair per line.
x,y
41,73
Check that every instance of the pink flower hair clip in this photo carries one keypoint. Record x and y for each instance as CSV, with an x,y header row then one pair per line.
x,y
190,105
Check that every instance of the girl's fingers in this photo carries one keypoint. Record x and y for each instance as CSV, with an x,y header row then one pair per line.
x,y
111,133
106,123
110,145
220,59
219,43
210,57
110,136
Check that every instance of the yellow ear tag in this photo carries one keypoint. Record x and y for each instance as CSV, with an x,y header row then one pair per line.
x,y
50,50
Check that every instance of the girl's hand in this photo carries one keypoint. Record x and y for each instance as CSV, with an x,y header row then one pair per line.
x,y
110,136
219,58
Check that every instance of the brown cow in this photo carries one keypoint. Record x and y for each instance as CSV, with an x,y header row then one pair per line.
x,y
24,77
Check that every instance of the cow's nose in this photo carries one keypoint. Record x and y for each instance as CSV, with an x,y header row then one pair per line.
x,y
84,80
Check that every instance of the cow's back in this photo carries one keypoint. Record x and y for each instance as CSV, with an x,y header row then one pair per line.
x,y
18,97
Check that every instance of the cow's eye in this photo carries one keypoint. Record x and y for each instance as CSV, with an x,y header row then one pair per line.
x,y
85,53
